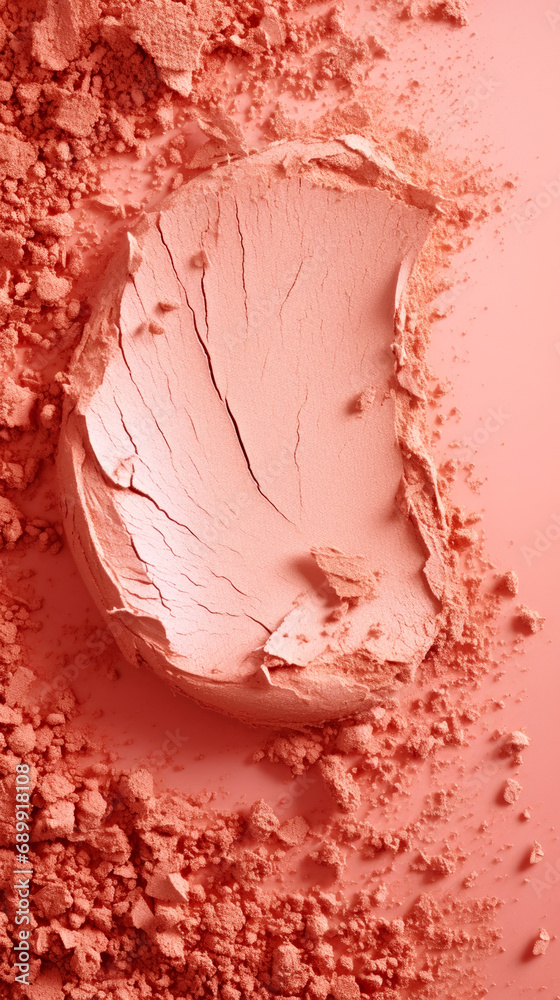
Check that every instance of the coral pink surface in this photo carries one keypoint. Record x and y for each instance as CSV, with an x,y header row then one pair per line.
x,y
278,409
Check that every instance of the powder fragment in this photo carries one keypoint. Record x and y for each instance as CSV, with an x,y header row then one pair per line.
x,y
512,790
56,820
454,11
542,942
52,900
47,415
16,403
508,583
77,114
134,254
293,831
365,401
54,786
22,739
9,716
289,975
166,30
347,575
297,750
516,742
61,225
16,156
470,879
51,288
90,809
18,686
141,915
537,853
316,926
346,988
137,788
262,820
355,739
168,886
340,782
11,248
57,37
169,305
528,621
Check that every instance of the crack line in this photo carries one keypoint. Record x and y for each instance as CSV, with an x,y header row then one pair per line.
x,y
215,384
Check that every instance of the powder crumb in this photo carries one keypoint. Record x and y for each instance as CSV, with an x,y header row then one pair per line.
x,y
77,114
54,821
511,791
541,944
355,738
297,750
454,11
528,621
171,887
516,741
22,740
365,401
51,288
293,832
508,584
16,404
262,821
16,156
134,254
340,782
347,575
514,744
289,975
537,853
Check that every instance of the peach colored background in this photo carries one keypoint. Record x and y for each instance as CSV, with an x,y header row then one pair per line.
x,y
509,311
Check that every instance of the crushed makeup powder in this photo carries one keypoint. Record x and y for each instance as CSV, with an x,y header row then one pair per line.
x,y
233,611
141,891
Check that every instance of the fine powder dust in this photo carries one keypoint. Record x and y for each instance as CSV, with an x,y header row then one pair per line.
x,y
139,890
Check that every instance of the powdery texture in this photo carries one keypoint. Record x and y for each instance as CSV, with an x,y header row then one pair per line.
x,y
139,891
230,440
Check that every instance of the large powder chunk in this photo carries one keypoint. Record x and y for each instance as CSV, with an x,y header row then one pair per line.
x,y
166,30
57,38
16,157
241,522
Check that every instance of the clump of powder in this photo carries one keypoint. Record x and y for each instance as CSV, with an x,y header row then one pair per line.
x,y
528,621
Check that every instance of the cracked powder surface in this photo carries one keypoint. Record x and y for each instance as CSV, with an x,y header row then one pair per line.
x,y
212,448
